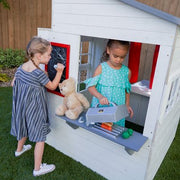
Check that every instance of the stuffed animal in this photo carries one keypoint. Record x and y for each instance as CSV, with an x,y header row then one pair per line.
x,y
73,103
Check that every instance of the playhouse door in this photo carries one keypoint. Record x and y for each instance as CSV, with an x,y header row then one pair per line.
x,y
67,39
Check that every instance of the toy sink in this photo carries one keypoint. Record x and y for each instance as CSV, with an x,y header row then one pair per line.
x,y
106,114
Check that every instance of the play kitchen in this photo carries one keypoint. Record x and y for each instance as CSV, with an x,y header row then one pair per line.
x,y
102,118
99,120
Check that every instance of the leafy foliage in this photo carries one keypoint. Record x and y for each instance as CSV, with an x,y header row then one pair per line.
x,y
10,58
5,4
4,77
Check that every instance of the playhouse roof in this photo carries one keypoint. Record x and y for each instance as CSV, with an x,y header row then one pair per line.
x,y
154,11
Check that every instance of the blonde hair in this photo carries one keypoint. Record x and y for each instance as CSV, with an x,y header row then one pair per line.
x,y
36,45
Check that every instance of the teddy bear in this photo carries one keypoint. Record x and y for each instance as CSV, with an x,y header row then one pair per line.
x,y
73,103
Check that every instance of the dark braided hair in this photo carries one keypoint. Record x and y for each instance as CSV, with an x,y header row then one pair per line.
x,y
110,44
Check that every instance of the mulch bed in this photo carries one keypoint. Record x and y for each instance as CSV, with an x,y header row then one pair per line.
x,y
10,73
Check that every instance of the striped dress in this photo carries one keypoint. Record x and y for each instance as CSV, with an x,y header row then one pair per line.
x,y
29,110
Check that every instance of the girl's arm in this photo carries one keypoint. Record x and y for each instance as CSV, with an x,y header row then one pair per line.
x,y
93,90
12,83
52,85
128,106
128,99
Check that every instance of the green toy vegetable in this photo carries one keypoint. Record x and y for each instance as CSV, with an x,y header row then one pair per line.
x,y
130,131
126,134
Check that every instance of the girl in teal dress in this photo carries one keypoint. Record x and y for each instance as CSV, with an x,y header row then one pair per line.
x,y
110,82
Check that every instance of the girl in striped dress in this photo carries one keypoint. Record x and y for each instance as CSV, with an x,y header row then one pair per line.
x,y
110,82
29,112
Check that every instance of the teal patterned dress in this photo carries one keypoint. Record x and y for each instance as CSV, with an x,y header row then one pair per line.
x,y
112,84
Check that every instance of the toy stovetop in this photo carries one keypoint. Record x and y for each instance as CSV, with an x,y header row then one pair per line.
x,y
106,114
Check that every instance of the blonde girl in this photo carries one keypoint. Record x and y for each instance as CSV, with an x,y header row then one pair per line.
x,y
29,111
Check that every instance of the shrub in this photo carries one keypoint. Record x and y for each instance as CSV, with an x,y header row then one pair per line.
x,y
4,77
10,58
5,4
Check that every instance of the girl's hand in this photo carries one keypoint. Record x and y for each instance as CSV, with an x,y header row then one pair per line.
x,y
103,100
12,83
60,67
130,111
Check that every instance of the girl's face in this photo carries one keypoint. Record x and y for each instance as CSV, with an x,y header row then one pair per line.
x,y
117,55
46,56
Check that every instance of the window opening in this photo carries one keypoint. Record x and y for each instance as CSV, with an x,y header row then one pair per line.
x,y
85,62
91,50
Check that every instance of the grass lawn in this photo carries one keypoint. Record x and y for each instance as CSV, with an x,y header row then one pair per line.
x,y
20,168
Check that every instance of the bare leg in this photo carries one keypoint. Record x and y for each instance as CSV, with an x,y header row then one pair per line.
x,y
20,144
38,153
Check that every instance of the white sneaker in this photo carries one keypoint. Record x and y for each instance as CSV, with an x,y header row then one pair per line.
x,y
44,169
25,148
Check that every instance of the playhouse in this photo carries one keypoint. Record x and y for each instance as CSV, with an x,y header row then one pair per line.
x,y
154,59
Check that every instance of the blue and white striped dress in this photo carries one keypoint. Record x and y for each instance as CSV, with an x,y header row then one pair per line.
x,y
29,111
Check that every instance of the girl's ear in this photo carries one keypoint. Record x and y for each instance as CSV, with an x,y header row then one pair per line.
x,y
38,56
107,50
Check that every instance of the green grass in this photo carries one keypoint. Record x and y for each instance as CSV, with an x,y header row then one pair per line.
x,y
170,168
20,168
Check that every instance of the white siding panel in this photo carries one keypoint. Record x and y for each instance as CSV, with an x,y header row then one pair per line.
x,y
44,33
115,33
175,64
167,123
101,10
163,138
157,90
164,102
118,21
121,22
86,1
178,38
173,74
97,153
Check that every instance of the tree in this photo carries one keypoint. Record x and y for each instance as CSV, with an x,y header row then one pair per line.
x,y
5,4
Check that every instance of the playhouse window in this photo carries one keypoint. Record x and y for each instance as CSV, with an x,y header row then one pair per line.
x,y
85,61
174,94
141,60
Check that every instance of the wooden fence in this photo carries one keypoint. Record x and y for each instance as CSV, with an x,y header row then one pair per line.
x,y
20,23
169,6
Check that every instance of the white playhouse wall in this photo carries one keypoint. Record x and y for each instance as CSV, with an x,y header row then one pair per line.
x,y
72,19
97,153
168,118
110,19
